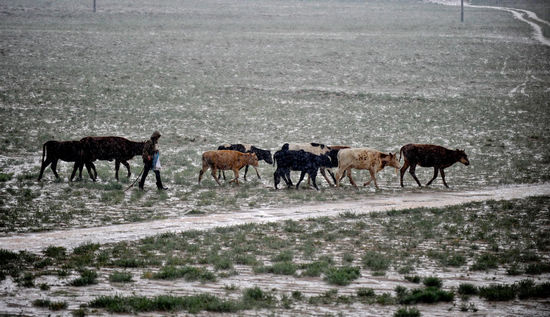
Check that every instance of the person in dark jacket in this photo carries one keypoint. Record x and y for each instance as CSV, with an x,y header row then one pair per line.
x,y
151,161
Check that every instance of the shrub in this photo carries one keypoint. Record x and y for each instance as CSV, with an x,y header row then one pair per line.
x,y
365,292
189,273
5,177
528,289
343,275
120,277
467,289
432,281
55,252
485,262
376,261
427,295
413,279
498,292
407,312
87,277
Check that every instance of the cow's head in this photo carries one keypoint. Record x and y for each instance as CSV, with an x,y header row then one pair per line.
x,y
324,161
266,156
390,160
462,157
252,159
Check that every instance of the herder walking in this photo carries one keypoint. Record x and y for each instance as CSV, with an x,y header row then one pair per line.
x,y
151,160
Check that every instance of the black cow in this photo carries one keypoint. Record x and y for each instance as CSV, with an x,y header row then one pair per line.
x,y
68,151
263,155
111,148
288,160
429,155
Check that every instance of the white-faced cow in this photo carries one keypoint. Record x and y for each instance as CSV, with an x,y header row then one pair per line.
x,y
68,151
226,160
364,158
111,148
429,155
262,155
305,162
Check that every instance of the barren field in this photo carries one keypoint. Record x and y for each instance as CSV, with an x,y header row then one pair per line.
x,y
377,74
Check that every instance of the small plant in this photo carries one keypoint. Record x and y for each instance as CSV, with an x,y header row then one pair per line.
x,y
87,277
365,292
467,289
5,177
55,252
485,262
342,276
432,281
413,279
120,277
498,292
407,312
376,261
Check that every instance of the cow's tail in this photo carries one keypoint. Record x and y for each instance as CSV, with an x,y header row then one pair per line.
x,y
43,152
400,153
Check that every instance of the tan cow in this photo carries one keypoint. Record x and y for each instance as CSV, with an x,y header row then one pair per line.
x,y
226,160
364,158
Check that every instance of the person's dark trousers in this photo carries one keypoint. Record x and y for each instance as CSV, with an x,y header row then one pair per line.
x,y
146,168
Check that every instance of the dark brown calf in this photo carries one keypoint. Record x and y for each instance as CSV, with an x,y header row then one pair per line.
x,y
68,151
111,148
429,155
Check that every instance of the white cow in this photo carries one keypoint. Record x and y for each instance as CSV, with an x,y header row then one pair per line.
x,y
364,159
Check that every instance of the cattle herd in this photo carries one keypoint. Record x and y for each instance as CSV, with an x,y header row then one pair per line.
x,y
307,158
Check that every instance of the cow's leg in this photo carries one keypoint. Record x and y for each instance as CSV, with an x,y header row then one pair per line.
x,y
256,169
332,175
214,174
340,174
76,166
43,167
325,176
443,177
402,171
90,167
125,163
301,178
276,178
54,167
411,171
236,173
204,169
433,178
117,167
372,178
313,175
348,171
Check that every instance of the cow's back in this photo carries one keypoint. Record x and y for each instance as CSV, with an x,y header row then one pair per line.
x,y
314,148
69,151
359,158
425,155
105,147
222,159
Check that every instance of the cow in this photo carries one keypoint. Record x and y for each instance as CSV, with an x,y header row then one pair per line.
x,y
68,151
111,148
305,162
429,155
314,148
226,160
263,155
364,158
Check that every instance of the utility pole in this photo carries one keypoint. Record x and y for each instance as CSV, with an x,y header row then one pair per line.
x,y
461,10
94,5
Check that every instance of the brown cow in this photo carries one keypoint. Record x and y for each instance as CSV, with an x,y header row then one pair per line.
x,y
111,148
363,158
429,155
68,151
226,160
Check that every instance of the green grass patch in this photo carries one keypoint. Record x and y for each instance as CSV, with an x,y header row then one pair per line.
x,y
342,275
189,273
120,277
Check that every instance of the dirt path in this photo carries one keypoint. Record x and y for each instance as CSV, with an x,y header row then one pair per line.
x,y
36,242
